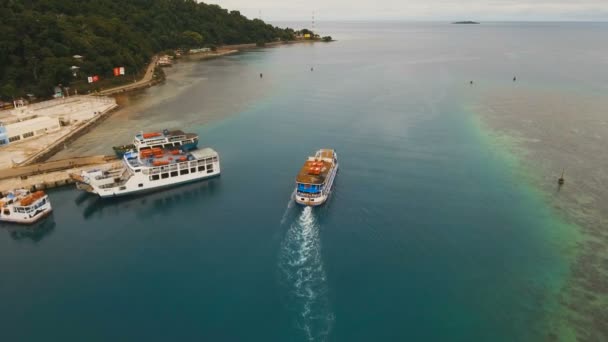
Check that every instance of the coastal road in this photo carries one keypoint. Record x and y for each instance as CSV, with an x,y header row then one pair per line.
x,y
148,77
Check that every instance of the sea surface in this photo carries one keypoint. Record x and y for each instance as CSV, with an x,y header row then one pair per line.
x,y
434,232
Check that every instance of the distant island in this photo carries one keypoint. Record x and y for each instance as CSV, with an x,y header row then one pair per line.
x,y
465,22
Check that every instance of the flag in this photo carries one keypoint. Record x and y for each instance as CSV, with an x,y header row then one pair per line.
x,y
116,71
95,78
122,70
90,79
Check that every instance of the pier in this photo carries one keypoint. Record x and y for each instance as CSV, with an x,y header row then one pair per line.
x,y
72,117
52,173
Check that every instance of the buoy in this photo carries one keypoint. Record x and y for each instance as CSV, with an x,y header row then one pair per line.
x,y
312,69
514,78
261,75
471,82
561,180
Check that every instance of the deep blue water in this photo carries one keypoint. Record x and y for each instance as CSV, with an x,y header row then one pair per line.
x,y
428,235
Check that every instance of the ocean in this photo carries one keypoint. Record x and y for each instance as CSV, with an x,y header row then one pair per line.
x,y
435,230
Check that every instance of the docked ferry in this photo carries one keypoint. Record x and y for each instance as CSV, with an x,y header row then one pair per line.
x,y
316,177
22,206
150,169
166,139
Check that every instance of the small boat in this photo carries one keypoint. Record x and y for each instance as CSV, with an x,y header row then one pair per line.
x,y
22,206
316,177
150,169
166,139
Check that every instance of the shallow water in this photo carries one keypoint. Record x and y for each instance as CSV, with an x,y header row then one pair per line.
x,y
429,234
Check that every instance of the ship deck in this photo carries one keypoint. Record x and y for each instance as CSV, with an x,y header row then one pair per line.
x,y
172,156
179,132
306,177
170,135
167,158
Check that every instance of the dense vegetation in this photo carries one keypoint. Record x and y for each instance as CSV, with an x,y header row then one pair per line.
x,y
38,38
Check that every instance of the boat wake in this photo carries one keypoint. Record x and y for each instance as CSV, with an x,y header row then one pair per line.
x,y
303,275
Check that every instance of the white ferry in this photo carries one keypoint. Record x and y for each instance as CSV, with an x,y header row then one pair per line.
x,y
150,170
166,139
315,180
22,206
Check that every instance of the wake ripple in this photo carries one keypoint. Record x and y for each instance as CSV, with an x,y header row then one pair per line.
x,y
304,276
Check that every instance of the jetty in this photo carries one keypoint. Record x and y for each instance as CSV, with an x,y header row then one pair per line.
x,y
31,134
52,174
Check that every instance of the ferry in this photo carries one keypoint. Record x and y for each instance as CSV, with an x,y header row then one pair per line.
x,y
150,169
22,206
166,139
316,177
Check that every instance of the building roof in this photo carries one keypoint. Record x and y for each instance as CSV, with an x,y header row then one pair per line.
x,y
34,124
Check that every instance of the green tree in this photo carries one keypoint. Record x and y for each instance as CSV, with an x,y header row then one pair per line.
x,y
191,39
39,37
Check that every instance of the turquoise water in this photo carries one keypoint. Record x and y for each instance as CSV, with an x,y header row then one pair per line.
x,y
427,236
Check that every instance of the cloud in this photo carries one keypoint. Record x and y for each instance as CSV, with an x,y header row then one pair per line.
x,y
421,9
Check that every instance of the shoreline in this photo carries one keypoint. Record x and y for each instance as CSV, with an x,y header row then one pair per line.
x,y
149,79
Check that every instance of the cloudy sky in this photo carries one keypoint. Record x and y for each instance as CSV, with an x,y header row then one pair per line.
x,y
273,10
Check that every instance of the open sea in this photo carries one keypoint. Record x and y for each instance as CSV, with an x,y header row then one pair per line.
x,y
430,233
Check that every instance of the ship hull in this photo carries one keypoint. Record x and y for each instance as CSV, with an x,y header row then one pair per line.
x,y
19,218
110,194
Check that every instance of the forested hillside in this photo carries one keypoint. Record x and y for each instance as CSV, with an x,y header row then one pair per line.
x,y
38,38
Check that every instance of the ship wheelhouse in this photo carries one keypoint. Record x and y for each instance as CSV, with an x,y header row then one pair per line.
x,y
306,189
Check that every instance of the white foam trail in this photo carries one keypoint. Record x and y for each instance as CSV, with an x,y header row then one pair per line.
x,y
304,276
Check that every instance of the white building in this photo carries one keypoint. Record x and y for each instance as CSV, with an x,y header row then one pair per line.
x,y
31,128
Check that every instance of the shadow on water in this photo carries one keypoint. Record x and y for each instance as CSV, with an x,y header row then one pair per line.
x,y
35,232
302,273
150,203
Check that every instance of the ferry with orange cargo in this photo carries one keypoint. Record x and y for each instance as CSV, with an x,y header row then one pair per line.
x,y
22,206
166,139
316,177
150,169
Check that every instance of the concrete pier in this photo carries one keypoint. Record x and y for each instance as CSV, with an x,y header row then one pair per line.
x,y
51,174
79,115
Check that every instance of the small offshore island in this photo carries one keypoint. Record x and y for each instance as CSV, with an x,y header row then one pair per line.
x,y
466,22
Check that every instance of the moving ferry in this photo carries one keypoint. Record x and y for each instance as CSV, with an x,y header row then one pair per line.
x,y
314,182
150,169
22,206
165,139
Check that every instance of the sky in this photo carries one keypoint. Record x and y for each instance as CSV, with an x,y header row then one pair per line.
x,y
425,10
